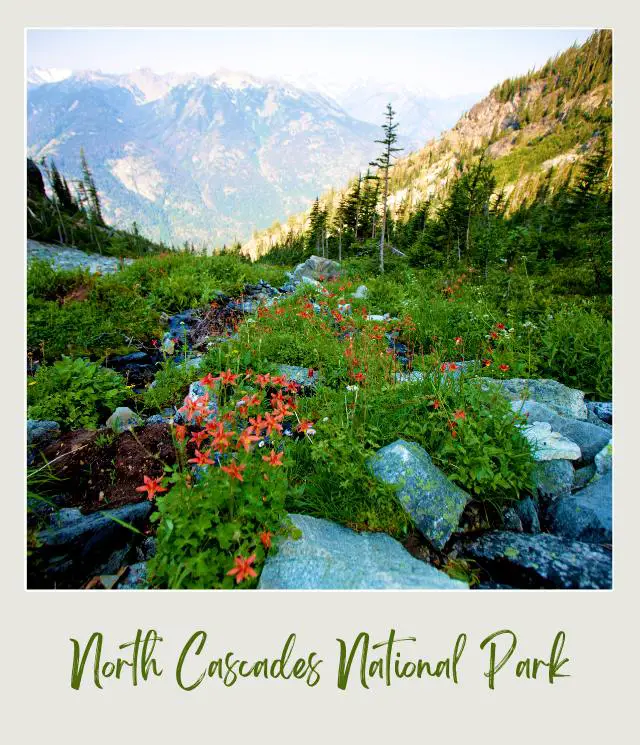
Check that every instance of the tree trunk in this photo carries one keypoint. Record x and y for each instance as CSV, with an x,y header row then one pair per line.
x,y
384,218
340,246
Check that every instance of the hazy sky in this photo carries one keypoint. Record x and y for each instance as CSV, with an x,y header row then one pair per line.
x,y
443,61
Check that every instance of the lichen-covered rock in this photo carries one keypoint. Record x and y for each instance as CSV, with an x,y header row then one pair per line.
x,y
548,445
588,437
553,478
604,459
41,430
586,515
434,502
123,419
568,402
540,561
361,292
300,375
583,476
328,556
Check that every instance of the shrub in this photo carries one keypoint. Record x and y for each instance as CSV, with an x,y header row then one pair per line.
x,y
75,393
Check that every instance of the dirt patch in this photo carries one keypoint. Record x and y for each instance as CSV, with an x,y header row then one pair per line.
x,y
100,470
78,295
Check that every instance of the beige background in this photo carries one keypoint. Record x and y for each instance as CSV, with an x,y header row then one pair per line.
x,y
596,704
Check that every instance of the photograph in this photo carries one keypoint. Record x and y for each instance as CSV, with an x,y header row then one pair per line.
x,y
318,308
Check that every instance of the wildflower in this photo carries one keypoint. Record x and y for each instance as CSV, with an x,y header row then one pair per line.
x,y
436,404
272,422
452,366
222,440
234,471
459,414
248,373
228,378
198,437
151,486
458,340
310,372
201,459
181,432
265,538
190,409
257,424
276,399
292,387
154,342
504,368
242,568
494,335
273,459
305,425
279,380
359,377
208,380
486,363
262,380
245,439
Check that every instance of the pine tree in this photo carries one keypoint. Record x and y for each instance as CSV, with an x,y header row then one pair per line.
x,y
384,164
95,210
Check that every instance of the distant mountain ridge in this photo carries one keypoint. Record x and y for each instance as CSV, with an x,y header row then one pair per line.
x,y
534,128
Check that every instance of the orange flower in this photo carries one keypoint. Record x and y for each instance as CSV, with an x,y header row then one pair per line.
x,y
458,340
228,378
265,538
181,432
234,471
222,440
151,486
504,368
452,366
273,459
436,404
201,459
257,424
305,425
198,437
243,568
262,380
245,439
272,421
486,363
279,380
208,380
459,414
359,377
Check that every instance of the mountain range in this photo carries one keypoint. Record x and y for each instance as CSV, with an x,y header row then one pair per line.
x,y
210,160
534,129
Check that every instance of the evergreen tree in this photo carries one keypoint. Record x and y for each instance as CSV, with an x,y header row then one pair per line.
x,y
91,192
384,164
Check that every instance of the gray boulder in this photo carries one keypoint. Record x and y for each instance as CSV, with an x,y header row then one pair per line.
x,y
41,430
316,267
539,561
602,409
415,376
583,476
331,557
434,502
123,419
549,445
565,401
590,438
300,375
361,292
79,546
553,478
528,514
586,515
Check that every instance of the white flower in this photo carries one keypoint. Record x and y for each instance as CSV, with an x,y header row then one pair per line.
x,y
353,388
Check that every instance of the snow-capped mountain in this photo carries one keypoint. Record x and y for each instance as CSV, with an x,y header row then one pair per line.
x,y
204,159
211,158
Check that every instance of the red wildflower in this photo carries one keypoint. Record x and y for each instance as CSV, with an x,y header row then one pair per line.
x,y
234,471
504,368
181,432
265,538
208,380
228,378
279,380
257,424
245,439
151,486
458,340
500,326
436,404
202,459
222,440
273,459
452,366
494,335
272,421
359,377
486,363
262,380
305,425
198,437
310,372
242,568
459,414
292,386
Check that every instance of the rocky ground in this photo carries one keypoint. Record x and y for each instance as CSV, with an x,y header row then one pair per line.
x,y
558,537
